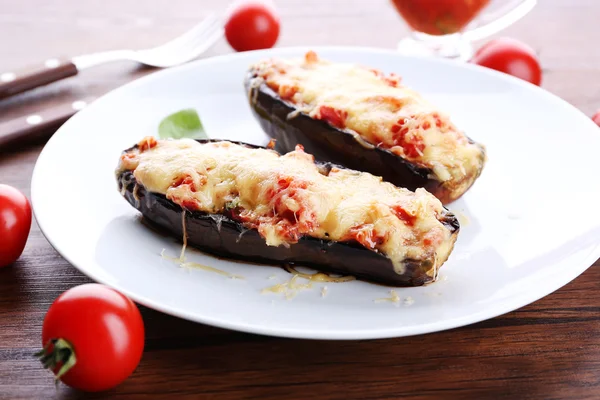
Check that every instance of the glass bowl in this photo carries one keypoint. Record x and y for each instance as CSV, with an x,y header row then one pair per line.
x,y
447,28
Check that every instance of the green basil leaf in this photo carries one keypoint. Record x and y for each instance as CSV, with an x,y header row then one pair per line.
x,y
182,124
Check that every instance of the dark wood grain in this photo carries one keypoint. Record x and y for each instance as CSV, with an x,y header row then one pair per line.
x,y
23,130
18,81
547,350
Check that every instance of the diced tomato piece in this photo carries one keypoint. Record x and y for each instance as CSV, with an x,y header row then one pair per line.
x,y
288,231
364,238
128,158
188,180
413,145
367,236
241,215
188,204
283,183
438,120
147,143
333,116
403,215
299,218
287,92
129,161
393,80
271,144
289,188
398,125
426,125
274,85
377,238
376,72
414,148
311,57
289,223
270,193
308,220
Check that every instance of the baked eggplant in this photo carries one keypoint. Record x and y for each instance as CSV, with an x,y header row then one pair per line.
x,y
364,120
161,180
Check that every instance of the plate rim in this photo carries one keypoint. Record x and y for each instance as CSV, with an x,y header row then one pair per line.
x,y
378,333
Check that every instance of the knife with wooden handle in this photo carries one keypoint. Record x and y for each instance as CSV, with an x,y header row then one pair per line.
x,y
39,125
52,70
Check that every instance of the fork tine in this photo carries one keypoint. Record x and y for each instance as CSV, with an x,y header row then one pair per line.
x,y
186,46
210,31
175,48
182,50
190,34
210,41
207,43
200,45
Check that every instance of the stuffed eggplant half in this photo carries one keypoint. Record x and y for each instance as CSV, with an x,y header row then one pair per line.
x,y
365,120
251,203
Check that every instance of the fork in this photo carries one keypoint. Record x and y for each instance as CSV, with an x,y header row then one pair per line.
x,y
178,51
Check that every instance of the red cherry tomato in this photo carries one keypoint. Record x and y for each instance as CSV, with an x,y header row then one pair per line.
x,y
99,329
596,118
512,57
15,222
252,25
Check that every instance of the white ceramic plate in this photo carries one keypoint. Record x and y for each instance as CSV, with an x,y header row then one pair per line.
x,y
530,223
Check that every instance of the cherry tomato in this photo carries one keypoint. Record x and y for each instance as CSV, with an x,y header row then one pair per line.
x,y
512,57
93,337
596,118
252,25
15,222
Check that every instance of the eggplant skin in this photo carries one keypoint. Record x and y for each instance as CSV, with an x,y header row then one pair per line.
x,y
282,121
220,235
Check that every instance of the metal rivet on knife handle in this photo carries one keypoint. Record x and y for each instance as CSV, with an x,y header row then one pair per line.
x,y
34,119
7,77
42,124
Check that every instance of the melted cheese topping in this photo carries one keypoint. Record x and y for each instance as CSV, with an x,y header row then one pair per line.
x,y
289,289
182,261
394,298
379,109
286,197
319,276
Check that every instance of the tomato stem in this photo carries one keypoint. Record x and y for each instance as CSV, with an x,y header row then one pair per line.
x,y
57,353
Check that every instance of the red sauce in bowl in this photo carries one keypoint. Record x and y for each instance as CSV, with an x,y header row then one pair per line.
x,y
439,17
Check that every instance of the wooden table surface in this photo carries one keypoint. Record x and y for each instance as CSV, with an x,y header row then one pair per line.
x,y
547,350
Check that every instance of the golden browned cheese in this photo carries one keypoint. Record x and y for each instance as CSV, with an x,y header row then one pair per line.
x,y
278,194
380,109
